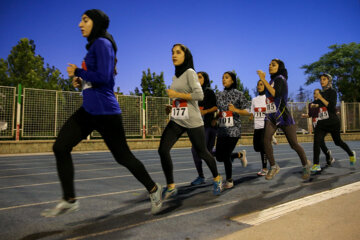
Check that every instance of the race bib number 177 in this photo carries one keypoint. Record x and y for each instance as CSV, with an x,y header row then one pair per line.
x,y
180,109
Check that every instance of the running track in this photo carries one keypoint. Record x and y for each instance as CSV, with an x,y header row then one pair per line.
x,y
113,205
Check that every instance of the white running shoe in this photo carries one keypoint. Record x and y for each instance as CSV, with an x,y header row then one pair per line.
x,y
61,208
243,159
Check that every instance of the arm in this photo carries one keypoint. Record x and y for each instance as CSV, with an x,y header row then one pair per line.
x,y
210,98
267,85
196,90
242,112
210,110
104,54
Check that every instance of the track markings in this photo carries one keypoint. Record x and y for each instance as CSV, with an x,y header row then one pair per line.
x,y
272,213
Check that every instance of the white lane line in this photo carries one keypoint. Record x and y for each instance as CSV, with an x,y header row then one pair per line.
x,y
83,197
121,176
272,213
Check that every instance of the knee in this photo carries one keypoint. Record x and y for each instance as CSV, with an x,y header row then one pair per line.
x,y
60,148
163,151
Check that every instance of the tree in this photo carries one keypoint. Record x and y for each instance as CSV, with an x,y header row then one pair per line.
x,y
343,63
152,84
241,87
23,66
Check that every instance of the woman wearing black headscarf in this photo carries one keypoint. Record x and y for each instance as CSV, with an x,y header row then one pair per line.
x,y
278,116
100,111
185,91
231,104
207,109
258,109
328,121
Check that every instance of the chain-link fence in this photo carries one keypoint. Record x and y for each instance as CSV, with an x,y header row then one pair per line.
x,y
352,112
7,111
156,116
45,111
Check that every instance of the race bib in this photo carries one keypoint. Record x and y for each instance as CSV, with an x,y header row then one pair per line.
x,y
180,109
314,121
226,119
270,105
259,112
323,113
85,85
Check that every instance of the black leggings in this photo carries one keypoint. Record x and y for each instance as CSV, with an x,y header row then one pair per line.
x,y
319,142
171,134
258,142
78,127
224,148
290,133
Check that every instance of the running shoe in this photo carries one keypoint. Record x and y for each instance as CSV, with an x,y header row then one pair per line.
x,y
166,193
61,208
262,172
198,181
272,172
217,187
243,159
306,170
228,184
330,160
315,168
353,159
156,201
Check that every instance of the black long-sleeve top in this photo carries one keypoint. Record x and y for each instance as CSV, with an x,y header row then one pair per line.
x,y
208,102
329,95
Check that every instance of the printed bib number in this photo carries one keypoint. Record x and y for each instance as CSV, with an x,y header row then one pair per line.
x,y
226,119
323,113
180,109
259,112
270,105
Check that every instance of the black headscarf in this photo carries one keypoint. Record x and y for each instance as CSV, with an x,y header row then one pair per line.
x,y
233,77
206,83
263,92
100,24
281,70
188,61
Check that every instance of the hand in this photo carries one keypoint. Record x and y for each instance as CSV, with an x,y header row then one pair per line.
x,y
232,108
168,109
171,93
251,117
261,74
314,105
71,69
77,82
317,95
304,115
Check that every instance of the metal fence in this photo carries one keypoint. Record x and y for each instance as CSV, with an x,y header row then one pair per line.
x,y
43,112
7,111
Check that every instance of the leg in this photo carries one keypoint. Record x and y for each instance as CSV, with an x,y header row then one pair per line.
x,y
319,136
198,162
75,129
270,129
111,129
290,133
169,137
224,148
335,134
197,138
